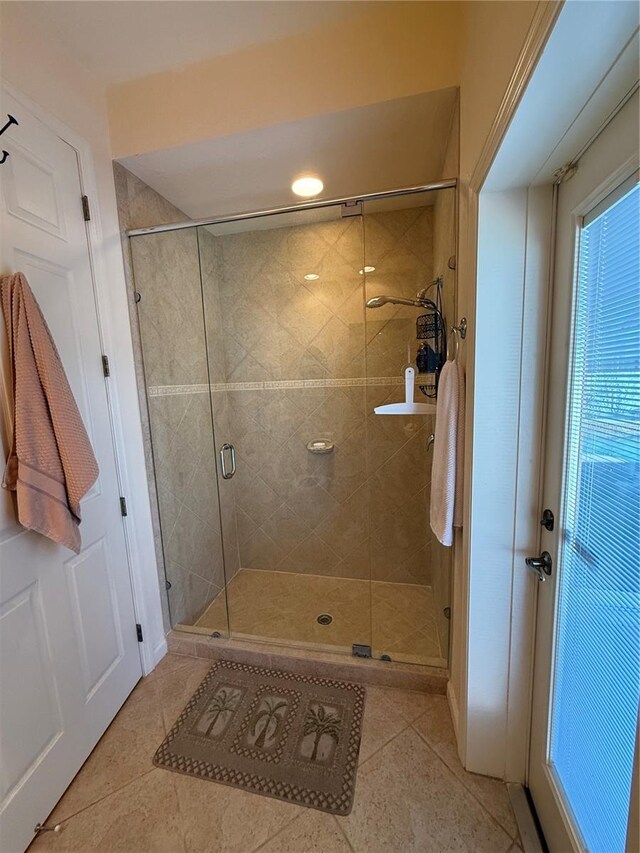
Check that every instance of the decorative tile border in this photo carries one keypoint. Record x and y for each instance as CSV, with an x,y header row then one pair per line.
x,y
203,388
170,390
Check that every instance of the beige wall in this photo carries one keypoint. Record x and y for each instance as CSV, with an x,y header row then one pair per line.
x,y
390,50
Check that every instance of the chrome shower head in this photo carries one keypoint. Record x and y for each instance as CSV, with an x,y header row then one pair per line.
x,y
379,301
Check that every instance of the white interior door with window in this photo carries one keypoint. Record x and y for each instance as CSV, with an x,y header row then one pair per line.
x,y
587,680
69,651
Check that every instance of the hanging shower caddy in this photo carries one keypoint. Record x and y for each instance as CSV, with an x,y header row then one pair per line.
x,y
431,331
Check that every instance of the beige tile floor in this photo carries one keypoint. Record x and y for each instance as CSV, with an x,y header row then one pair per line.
x,y
412,794
396,619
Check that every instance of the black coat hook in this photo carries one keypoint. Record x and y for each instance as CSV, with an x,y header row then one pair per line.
x,y
11,121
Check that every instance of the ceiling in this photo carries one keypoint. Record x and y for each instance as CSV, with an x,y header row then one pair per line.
x,y
120,41
382,146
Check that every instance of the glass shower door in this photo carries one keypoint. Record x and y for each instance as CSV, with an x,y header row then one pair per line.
x,y
408,243
290,513
173,342
284,317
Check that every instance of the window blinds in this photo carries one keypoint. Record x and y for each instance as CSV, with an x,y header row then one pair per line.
x,y
596,675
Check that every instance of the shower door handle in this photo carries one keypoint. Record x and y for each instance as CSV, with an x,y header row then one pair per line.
x,y
227,475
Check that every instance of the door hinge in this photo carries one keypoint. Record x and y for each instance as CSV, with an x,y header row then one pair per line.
x,y
139,631
123,506
105,366
86,212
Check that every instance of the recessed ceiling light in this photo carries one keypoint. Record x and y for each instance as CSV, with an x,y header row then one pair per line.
x,y
366,270
311,276
307,186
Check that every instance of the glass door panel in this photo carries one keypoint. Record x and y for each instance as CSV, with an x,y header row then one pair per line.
x,y
586,684
171,323
284,310
597,674
408,243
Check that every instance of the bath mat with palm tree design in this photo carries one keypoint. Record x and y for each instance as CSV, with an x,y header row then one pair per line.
x,y
289,736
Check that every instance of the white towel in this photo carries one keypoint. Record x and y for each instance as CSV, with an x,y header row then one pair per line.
x,y
457,506
448,454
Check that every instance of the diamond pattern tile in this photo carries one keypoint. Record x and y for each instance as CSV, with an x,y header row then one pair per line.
x,y
359,512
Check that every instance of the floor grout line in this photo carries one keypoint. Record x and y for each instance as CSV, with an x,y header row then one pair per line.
x,y
99,799
279,832
465,786
181,815
384,745
150,685
343,832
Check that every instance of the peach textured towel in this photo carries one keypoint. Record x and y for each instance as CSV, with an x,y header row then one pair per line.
x,y
51,465
447,470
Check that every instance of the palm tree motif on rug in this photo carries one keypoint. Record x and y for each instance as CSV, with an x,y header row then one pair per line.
x,y
219,712
267,722
321,733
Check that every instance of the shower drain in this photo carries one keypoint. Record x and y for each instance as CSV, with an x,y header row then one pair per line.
x,y
325,619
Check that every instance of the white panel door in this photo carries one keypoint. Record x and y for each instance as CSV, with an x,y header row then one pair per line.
x,y
69,651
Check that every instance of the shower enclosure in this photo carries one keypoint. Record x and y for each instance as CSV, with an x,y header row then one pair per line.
x,y
290,513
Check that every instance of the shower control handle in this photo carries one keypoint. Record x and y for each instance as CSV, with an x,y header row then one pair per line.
x,y
227,475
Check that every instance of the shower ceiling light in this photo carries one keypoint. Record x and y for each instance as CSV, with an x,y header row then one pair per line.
x,y
311,276
307,186
366,270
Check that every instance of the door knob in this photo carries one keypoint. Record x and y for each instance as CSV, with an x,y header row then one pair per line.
x,y
541,565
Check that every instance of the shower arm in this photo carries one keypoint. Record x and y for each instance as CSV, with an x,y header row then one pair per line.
x,y
420,301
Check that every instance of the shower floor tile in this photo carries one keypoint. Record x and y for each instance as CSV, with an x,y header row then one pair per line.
x,y
398,620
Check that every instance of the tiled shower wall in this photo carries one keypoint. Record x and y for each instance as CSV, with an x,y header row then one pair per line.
x,y
364,507
290,361
169,338
138,207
